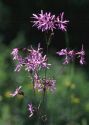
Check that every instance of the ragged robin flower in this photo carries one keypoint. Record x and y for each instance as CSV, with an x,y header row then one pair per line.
x,y
31,110
49,84
61,23
81,55
17,91
44,84
37,83
35,60
44,21
71,54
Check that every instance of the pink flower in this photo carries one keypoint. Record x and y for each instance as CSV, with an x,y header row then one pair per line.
x,y
49,84
32,62
31,110
35,60
47,21
16,92
61,23
37,83
15,54
69,55
44,21
44,84
18,57
81,55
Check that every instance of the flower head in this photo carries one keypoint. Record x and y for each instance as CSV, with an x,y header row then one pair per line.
x,y
15,54
16,92
44,21
62,52
32,62
61,23
81,55
50,84
69,55
31,110
37,83
18,57
35,60
42,84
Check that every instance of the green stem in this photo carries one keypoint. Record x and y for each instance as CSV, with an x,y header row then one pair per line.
x,y
67,39
33,84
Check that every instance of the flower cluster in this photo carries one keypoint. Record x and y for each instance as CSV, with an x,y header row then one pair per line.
x,y
47,21
49,84
44,84
70,55
32,62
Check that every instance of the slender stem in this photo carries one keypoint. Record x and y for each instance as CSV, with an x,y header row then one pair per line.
x,y
44,101
33,84
67,39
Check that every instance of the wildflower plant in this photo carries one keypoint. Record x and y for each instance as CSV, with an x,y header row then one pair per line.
x,y
35,61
